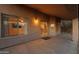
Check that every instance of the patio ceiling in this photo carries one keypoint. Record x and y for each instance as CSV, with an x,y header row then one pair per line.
x,y
60,10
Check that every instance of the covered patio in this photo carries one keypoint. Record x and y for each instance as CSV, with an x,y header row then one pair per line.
x,y
39,28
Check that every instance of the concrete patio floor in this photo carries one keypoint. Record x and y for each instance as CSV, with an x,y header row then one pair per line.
x,y
54,45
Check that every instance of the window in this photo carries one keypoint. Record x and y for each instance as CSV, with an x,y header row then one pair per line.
x,y
66,26
12,25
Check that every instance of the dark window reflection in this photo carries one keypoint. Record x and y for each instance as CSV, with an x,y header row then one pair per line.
x,y
11,25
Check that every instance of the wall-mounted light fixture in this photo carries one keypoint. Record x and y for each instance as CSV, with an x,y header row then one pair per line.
x,y
36,21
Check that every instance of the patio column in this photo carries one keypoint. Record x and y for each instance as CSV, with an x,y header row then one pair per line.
x,y
0,25
75,32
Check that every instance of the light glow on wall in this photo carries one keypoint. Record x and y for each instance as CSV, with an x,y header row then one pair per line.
x,y
52,25
21,22
36,21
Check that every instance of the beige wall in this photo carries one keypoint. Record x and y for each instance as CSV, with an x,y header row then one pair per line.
x,y
75,32
20,11
0,25
78,38
33,31
15,10
56,29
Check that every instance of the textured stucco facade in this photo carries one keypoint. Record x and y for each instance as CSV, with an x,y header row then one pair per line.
x,y
34,32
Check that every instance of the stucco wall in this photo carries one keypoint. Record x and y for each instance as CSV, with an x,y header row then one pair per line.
x,y
20,11
78,38
75,32
33,31
53,31
0,25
